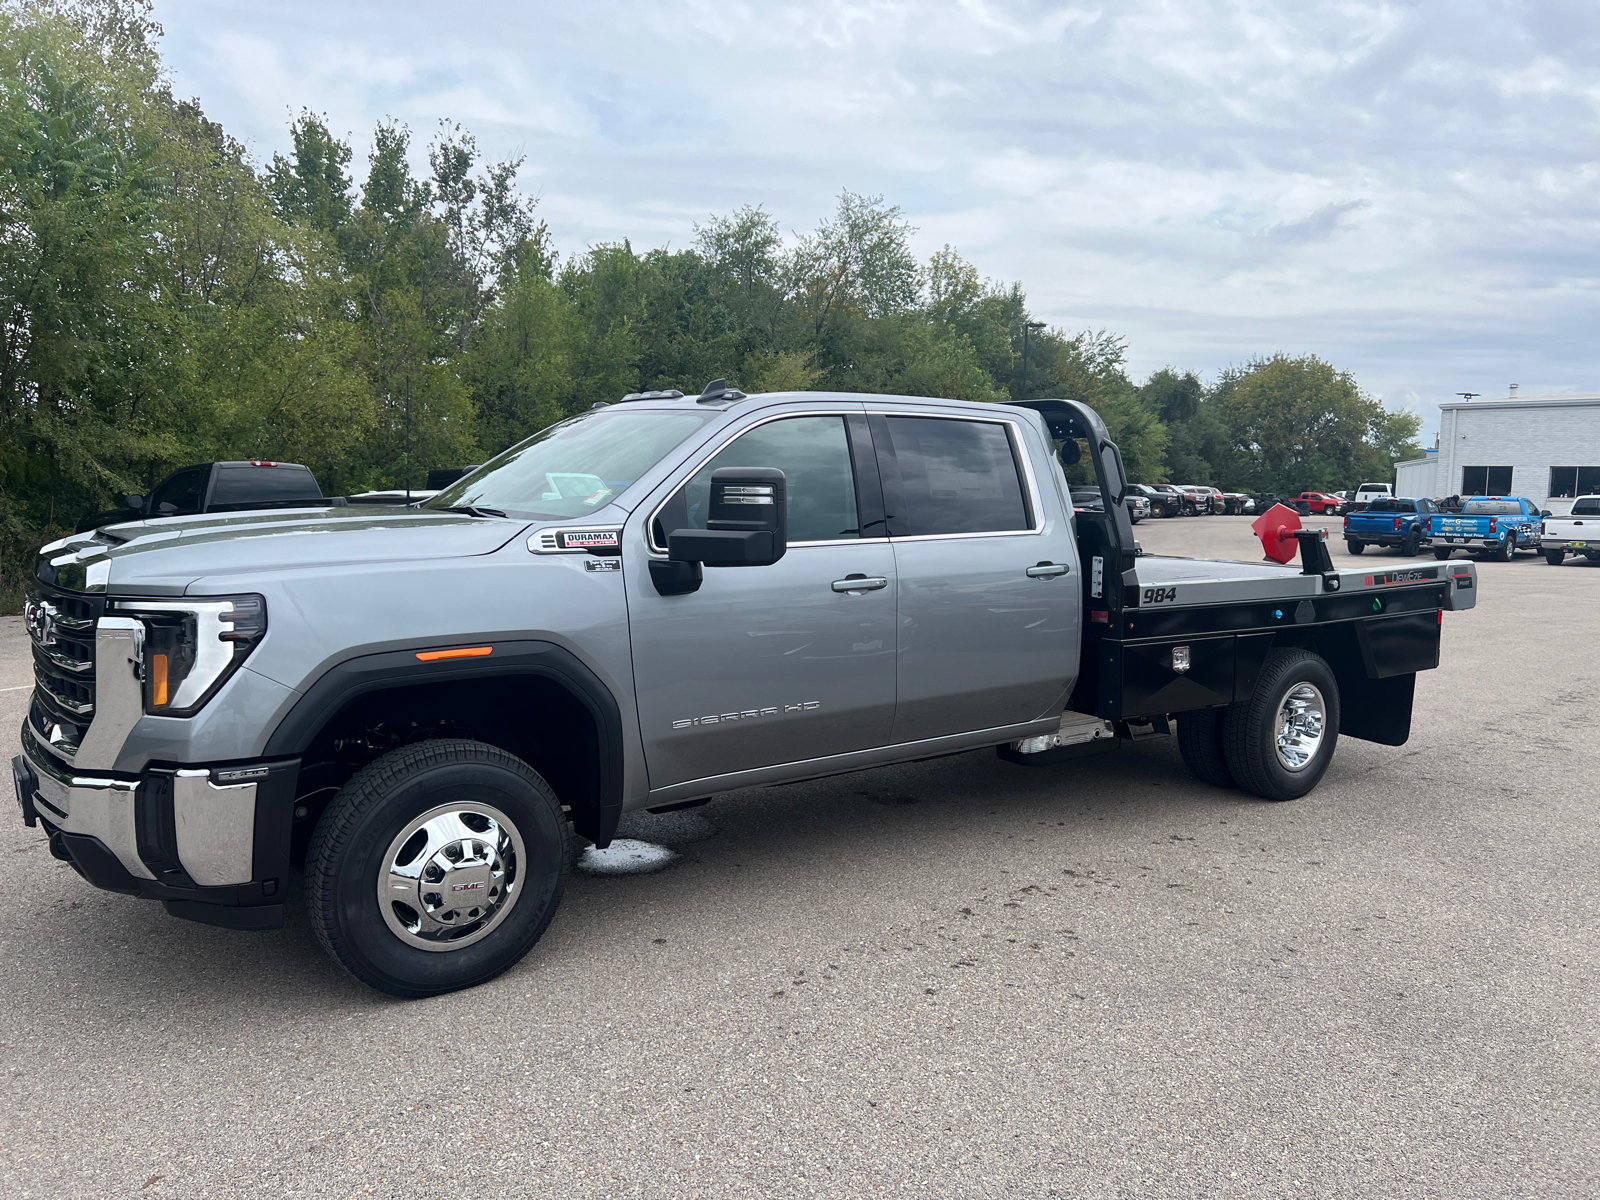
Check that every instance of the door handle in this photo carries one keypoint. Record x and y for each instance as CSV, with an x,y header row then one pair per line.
x,y
855,585
1047,570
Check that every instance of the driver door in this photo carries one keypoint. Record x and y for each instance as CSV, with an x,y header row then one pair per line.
x,y
781,663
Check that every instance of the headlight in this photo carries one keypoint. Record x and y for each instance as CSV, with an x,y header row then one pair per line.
x,y
191,646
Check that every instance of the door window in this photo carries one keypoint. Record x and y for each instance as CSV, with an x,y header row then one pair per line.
x,y
183,491
953,477
814,455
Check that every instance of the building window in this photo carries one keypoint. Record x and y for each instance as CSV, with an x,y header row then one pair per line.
x,y
1485,481
1574,481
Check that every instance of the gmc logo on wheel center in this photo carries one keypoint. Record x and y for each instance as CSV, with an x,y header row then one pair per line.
x,y
466,887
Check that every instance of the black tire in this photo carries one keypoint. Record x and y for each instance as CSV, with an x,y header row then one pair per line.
x,y
1555,557
1441,552
1200,735
359,831
1250,736
1506,550
1354,546
1412,543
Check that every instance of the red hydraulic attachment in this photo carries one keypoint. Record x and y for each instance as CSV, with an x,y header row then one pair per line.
x,y
1276,528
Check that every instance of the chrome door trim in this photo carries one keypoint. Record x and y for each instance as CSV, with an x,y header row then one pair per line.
x,y
672,489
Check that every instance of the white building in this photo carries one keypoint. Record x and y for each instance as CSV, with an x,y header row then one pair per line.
x,y
1546,448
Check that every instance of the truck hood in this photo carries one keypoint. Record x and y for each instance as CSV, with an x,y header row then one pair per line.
x,y
165,556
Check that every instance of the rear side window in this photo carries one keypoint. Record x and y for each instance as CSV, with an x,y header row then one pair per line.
x,y
1588,506
254,485
953,477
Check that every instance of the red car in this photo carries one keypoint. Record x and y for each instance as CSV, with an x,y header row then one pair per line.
x,y
1322,504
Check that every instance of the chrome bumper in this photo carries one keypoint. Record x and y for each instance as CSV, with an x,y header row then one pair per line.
x,y
214,824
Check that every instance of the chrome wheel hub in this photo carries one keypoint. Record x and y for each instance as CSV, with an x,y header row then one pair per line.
x,y
450,876
1300,726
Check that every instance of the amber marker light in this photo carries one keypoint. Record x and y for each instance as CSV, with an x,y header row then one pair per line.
x,y
158,680
468,652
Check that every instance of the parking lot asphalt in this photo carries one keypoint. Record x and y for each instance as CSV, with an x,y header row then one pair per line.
x,y
952,978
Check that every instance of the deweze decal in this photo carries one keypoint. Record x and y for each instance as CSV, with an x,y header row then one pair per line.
x,y
586,539
1420,575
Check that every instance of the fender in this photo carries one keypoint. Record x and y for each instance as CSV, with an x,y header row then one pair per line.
x,y
363,674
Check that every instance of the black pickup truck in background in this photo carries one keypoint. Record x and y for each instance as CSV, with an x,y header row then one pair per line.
x,y
220,487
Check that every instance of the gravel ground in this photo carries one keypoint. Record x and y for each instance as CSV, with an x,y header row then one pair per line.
x,y
955,978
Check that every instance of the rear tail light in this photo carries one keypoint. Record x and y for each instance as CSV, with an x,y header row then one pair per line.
x,y
1397,524
1494,525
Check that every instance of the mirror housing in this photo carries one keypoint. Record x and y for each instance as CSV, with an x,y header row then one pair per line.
x,y
747,522
1545,512
134,501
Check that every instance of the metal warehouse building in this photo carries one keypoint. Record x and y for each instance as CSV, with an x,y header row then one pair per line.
x,y
1544,447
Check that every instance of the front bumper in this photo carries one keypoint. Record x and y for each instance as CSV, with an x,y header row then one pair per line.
x,y
211,842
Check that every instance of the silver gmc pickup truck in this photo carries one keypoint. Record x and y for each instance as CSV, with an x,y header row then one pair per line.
x,y
424,709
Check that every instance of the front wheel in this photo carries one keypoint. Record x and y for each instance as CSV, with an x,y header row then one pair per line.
x,y
436,867
1555,557
1354,546
1279,742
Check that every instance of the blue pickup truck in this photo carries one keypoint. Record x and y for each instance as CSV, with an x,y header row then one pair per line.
x,y
1493,526
1400,523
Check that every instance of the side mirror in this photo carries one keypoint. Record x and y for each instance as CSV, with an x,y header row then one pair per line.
x,y
1545,512
747,522
134,501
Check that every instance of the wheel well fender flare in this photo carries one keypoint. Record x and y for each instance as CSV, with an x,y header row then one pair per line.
x,y
364,674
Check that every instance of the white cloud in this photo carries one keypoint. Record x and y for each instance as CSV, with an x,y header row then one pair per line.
x,y
1408,189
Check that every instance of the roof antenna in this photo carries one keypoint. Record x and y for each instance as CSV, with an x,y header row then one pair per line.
x,y
718,389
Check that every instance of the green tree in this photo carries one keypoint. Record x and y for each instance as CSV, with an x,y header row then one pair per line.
x,y
1300,423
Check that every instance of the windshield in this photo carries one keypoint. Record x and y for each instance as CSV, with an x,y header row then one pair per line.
x,y
574,468
1491,508
1392,506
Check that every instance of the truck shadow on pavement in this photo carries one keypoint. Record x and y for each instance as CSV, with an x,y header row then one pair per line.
x,y
888,829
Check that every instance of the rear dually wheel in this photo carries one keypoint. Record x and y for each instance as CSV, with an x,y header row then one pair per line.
x,y
1279,742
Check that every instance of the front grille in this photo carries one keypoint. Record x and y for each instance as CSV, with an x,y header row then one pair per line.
x,y
61,626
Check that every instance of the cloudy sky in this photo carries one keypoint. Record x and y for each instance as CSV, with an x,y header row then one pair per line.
x,y
1407,189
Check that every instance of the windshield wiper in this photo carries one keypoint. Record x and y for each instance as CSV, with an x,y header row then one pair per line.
x,y
473,510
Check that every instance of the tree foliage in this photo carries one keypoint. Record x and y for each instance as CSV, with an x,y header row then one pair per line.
x,y
166,300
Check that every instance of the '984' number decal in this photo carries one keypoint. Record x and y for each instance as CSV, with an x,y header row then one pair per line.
x,y
1158,595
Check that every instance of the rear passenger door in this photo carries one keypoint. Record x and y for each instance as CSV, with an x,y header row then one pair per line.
x,y
988,615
